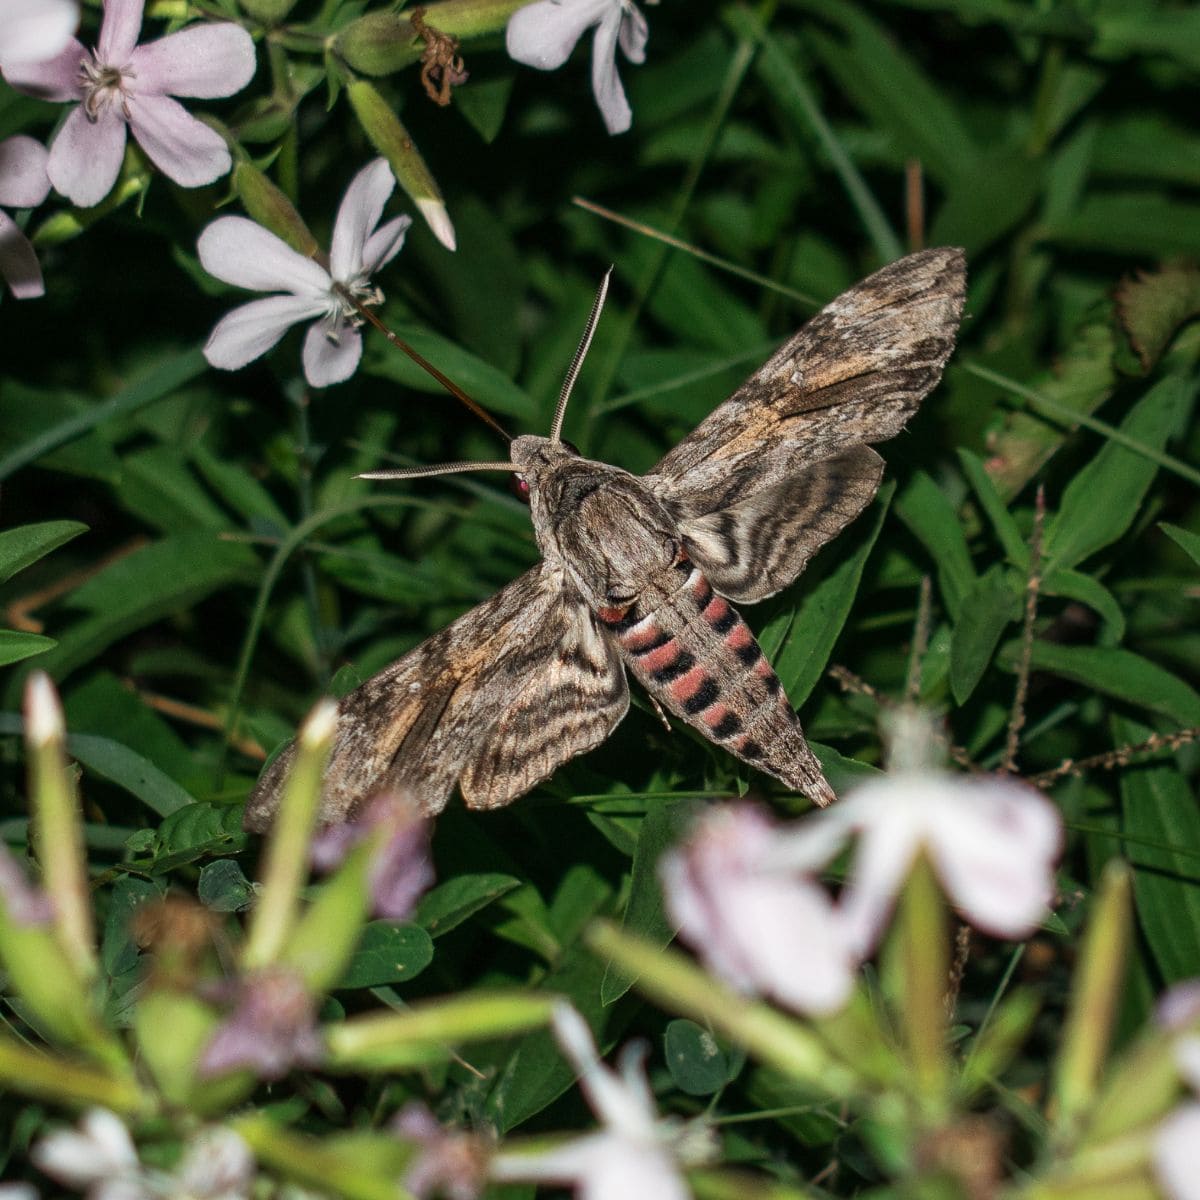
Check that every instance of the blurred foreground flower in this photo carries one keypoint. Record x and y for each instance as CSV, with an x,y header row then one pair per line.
x,y
23,184
401,869
271,1029
34,30
449,1164
762,929
993,843
100,1160
1177,1142
241,252
637,1154
121,83
542,35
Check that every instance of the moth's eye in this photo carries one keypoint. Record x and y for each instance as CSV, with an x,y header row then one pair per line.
x,y
519,486
574,449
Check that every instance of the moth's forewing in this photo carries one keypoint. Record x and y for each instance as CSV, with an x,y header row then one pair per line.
x,y
458,706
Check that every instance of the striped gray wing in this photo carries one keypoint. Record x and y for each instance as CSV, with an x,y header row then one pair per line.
x,y
495,702
853,375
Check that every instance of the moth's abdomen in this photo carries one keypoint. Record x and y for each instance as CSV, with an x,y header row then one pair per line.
x,y
696,655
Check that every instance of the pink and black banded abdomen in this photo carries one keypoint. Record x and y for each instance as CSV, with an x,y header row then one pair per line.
x,y
698,658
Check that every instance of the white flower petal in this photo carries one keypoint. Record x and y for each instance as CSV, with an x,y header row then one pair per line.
x,y
566,1163
239,251
85,158
882,860
326,361
1177,1153
634,33
384,244
1179,1006
23,179
181,147
633,1170
205,60
33,31
358,214
119,31
101,1148
18,263
55,79
542,35
606,83
249,331
1187,1059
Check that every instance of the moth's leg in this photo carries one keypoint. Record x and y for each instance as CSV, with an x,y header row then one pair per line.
x,y
658,708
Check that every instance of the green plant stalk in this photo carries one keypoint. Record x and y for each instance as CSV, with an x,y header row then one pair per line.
x,y
1140,1091
380,1039
286,865
924,969
1094,1001
57,827
671,980
308,1162
50,1077
388,135
1119,1170
323,940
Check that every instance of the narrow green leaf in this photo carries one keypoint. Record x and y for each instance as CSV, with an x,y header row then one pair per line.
x,y
1074,585
1120,476
1157,804
129,770
986,609
16,645
1188,542
1120,673
821,616
1016,549
927,511
26,544
644,913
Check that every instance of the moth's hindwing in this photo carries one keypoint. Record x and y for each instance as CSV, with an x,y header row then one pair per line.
x,y
695,654
495,702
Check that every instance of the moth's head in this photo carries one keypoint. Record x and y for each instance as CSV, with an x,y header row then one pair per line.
x,y
536,460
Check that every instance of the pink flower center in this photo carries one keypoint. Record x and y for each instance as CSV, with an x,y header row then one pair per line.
x,y
103,86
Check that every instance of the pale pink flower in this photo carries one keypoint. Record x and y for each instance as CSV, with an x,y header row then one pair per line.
x,y
35,30
271,1029
1177,1153
240,252
401,869
762,929
993,843
635,1154
542,35
121,83
449,1163
23,184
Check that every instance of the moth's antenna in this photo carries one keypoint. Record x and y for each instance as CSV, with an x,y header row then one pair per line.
x,y
425,365
453,468
580,354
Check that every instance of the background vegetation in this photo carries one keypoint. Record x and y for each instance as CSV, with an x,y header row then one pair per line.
x,y
213,566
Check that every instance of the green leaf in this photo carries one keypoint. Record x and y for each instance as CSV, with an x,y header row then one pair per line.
x,y
1142,223
1120,673
1188,542
480,380
974,217
928,513
1016,550
199,829
16,644
129,770
449,904
810,631
223,886
1074,585
1152,306
987,608
1157,806
1102,501
697,1063
27,543
644,913
388,953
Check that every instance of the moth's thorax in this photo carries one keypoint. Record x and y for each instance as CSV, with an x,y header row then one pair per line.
x,y
611,534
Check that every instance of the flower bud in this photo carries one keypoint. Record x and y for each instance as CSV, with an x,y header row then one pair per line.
x,y
267,205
